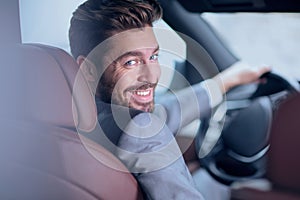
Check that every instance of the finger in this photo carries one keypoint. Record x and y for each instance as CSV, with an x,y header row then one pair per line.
x,y
264,69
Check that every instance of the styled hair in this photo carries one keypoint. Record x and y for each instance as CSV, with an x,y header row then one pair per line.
x,y
96,20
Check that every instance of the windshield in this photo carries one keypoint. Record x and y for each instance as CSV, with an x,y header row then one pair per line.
x,y
261,38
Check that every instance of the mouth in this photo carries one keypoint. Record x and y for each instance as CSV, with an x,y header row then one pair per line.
x,y
142,94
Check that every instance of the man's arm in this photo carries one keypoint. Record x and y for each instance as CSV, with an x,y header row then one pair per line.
x,y
149,150
196,102
186,105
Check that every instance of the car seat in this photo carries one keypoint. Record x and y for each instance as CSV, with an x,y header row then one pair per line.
x,y
283,160
41,153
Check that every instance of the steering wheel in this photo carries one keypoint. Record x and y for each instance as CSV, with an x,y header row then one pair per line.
x,y
237,150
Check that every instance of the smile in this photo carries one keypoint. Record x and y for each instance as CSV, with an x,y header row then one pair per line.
x,y
142,93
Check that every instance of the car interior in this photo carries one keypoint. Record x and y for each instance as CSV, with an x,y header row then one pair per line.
x,y
42,155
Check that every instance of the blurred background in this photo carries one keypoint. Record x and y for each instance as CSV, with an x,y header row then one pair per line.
x,y
268,38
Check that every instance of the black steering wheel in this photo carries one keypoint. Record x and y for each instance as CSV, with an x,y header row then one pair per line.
x,y
239,134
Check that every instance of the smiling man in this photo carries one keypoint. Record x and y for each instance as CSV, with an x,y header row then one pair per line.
x,y
114,43
131,79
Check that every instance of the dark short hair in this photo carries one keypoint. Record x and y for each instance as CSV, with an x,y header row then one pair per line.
x,y
96,20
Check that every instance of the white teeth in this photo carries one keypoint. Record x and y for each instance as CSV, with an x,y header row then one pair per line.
x,y
142,93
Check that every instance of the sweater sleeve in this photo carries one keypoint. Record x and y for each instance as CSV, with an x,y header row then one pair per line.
x,y
184,106
148,149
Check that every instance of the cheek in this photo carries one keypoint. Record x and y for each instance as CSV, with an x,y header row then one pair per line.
x,y
125,82
122,79
158,69
125,77
113,74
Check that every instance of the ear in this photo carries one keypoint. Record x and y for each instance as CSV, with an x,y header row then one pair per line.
x,y
87,67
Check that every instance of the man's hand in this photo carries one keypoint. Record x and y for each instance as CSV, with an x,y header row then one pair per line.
x,y
238,75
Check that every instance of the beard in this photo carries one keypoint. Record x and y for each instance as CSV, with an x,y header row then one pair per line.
x,y
147,107
108,95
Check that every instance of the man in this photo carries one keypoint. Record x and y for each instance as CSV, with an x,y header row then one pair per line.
x,y
114,43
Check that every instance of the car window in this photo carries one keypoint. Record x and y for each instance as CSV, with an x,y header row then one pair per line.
x,y
46,22
261,38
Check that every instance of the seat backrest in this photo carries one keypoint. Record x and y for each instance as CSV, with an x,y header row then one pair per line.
x,y
284,163
41,153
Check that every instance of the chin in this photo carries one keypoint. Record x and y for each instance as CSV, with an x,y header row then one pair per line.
x,y
148,107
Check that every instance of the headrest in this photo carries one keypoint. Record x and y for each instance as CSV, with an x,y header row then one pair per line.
x,y
40,82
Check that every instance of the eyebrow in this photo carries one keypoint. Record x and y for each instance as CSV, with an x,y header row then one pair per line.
x,y
134,53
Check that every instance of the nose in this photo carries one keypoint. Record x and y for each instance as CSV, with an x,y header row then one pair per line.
x,y
149,72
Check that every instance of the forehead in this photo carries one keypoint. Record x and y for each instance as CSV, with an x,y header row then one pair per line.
x,y
122,43
132,40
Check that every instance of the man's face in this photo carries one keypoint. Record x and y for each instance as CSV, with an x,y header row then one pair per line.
x,y
131,79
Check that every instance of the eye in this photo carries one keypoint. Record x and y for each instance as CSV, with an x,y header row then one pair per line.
x,y
154,57
131,63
